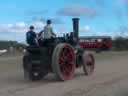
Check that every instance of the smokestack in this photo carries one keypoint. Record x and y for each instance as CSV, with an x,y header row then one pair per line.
x,y
76,27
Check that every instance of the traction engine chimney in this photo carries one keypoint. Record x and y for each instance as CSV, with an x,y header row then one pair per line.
x,y
76,28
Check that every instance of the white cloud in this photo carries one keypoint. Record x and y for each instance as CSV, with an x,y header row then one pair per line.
x,y
112,34
77,10
20,26
39,25
123,1
85,29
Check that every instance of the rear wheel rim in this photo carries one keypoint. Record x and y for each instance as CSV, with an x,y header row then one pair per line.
x,y
88,64
67,62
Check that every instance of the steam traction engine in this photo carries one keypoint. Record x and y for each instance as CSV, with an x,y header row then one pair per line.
x,y
61,58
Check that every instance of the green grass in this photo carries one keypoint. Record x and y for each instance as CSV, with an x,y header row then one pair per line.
x,y
13,62
110,55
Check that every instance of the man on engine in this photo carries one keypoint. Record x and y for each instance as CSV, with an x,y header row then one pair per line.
x,y
47,34
31,37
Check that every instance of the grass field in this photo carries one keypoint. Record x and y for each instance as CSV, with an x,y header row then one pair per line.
x,y
11,62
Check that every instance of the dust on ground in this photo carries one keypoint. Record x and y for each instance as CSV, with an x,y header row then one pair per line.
x,y
109,79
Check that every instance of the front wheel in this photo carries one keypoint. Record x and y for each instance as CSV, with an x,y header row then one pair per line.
x,y
88,63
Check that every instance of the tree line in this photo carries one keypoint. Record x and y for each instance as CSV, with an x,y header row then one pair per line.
x,y
8,44
119,44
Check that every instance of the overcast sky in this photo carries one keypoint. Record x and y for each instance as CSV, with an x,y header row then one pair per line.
x,y
97,17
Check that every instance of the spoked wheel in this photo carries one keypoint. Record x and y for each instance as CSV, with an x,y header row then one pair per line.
x,y
63,61
88,62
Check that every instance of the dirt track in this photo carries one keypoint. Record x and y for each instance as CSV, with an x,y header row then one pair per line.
x,y
110,79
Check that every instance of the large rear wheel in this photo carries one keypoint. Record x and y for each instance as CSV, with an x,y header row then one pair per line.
x,y
88,63
63,61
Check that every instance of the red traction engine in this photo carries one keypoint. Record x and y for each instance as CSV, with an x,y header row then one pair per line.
x,y
60,57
